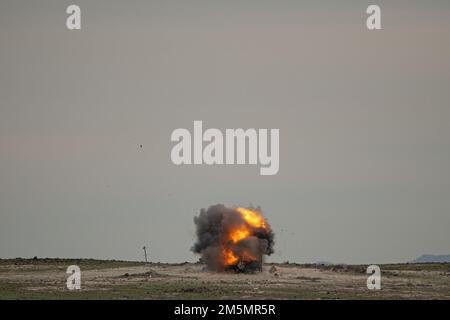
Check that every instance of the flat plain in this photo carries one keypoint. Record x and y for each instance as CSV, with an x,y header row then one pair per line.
x,y
111,279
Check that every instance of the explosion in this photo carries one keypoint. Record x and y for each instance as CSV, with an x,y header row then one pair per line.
x,y
233,238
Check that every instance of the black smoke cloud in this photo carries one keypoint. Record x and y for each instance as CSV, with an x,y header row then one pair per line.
x,y
212,227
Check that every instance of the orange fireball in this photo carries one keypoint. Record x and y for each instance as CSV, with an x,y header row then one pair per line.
x,y
240,233
252,219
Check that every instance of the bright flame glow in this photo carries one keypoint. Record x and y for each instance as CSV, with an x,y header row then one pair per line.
x,y
239,234
229,257
253,218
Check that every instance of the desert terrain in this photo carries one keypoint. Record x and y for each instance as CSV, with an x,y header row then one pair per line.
x,y
110,279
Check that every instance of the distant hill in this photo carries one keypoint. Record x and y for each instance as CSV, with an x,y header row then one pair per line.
x,y
430,258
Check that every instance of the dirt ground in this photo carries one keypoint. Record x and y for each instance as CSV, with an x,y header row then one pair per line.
x,y
46,279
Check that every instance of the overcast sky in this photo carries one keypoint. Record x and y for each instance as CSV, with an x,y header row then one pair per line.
x,y
364,119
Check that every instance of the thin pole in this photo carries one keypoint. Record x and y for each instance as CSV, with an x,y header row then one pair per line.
x,y
145,253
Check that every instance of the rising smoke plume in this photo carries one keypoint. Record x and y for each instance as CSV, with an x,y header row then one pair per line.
x,y
232,238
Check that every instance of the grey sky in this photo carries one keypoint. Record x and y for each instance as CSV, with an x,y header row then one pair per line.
x,y
363,118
